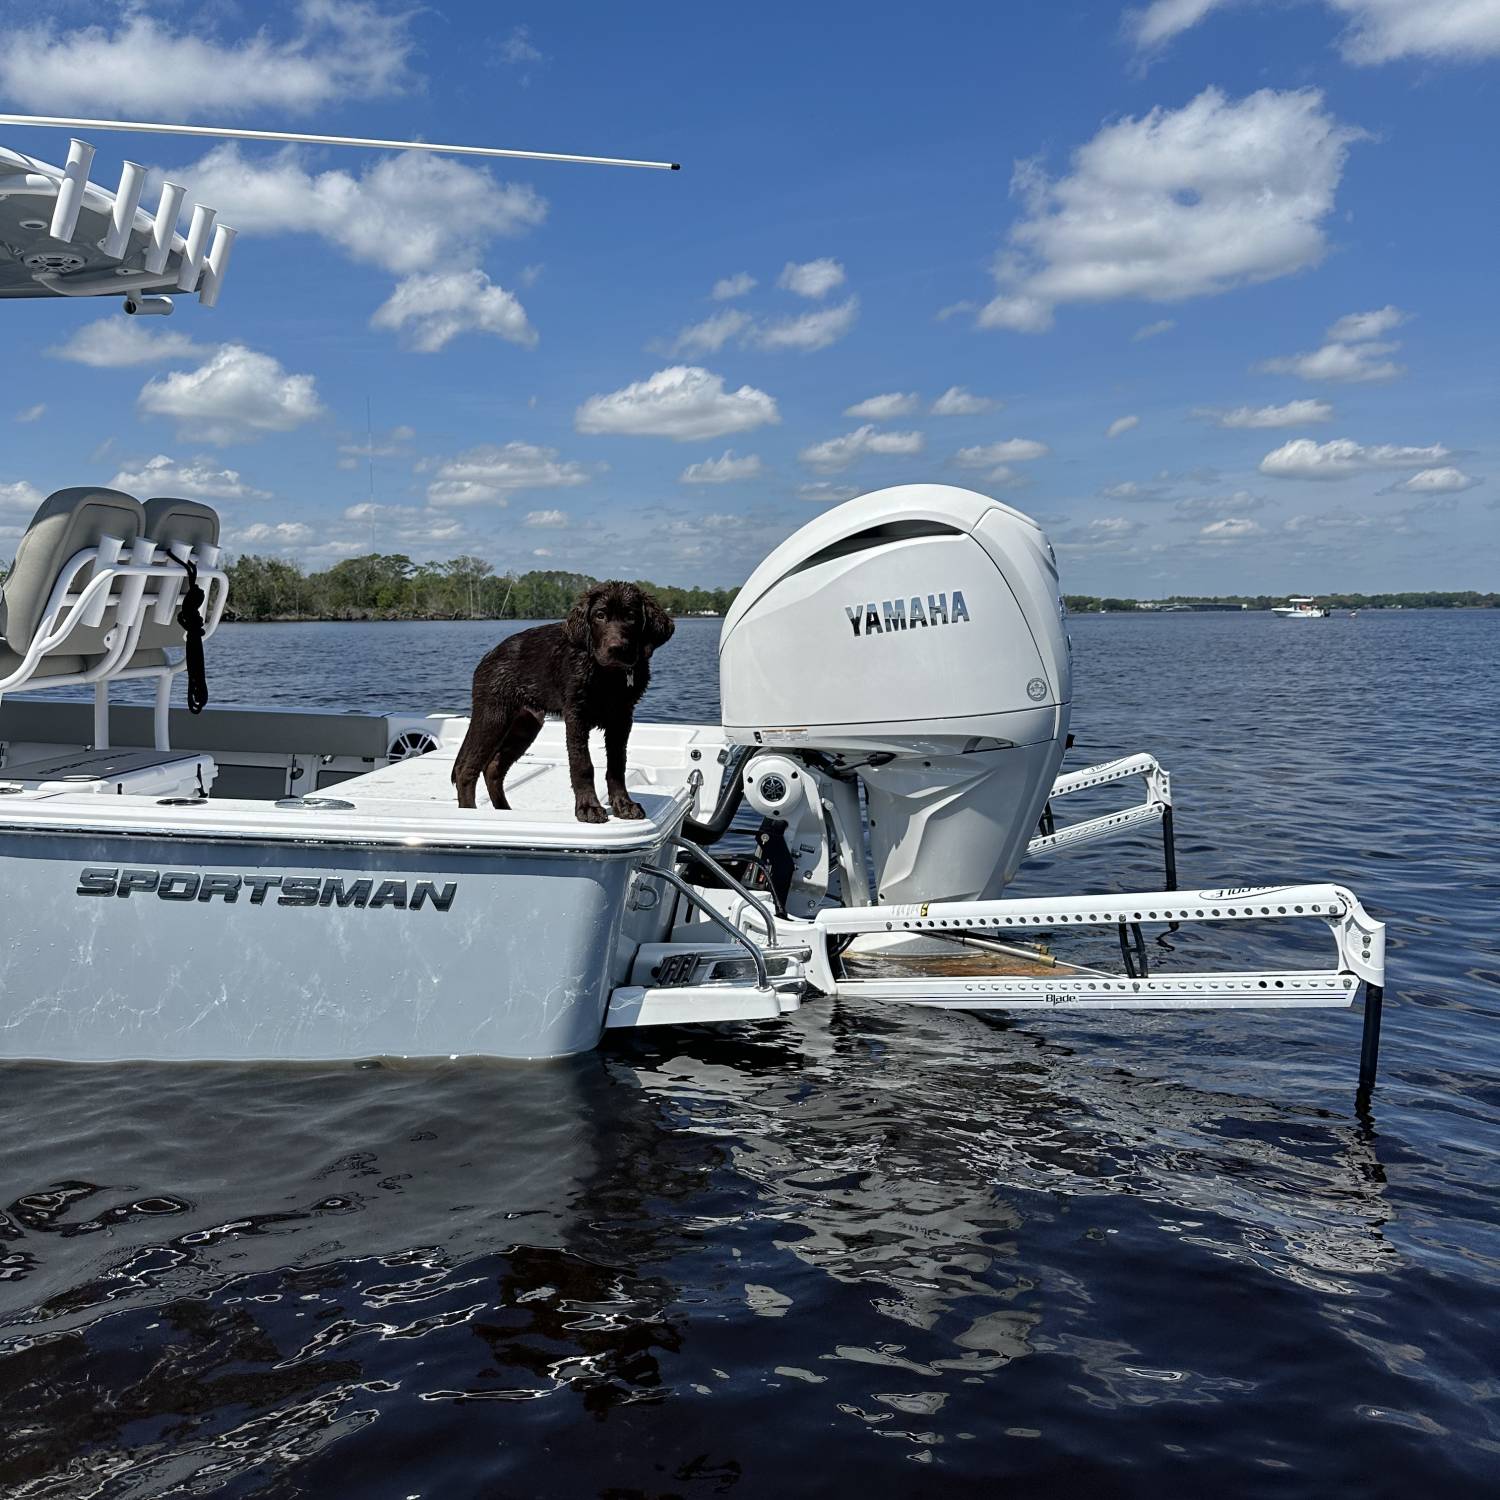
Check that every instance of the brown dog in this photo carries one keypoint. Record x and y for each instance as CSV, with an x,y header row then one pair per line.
x,y
590,670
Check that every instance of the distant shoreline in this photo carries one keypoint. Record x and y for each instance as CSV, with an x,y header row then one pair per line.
x,y
1092,604
230,619
1074,608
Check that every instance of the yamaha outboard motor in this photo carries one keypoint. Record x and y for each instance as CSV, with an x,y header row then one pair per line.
x,y
911,641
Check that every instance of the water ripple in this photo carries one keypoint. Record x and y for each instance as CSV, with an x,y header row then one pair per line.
x,y
907,1251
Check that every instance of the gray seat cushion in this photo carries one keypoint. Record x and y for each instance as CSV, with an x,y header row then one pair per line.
x,y
65,523
176,525
149,656
59,664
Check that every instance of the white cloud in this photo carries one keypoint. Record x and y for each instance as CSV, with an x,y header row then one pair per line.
x,y
1012,450
1101,535
1383,30
1003,477
958,402
813,278
684,402
1163,20
1355,328
405,213
32,413
518,48
415,528
488,474
1153,330
142,68
1180,203
729,287
430,311
1121,425
726,469
1231,529
547,518
196,479
824,492
1219,507
1444,481
1293,414
392,444
1342,458
1326,527
115,342
884,408
237,394
277,533
1130,489
1379,31
541,552
20,496
810,331
1348,364
707,337
838,453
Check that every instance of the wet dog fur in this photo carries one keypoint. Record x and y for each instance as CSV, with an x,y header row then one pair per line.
x,y
589,670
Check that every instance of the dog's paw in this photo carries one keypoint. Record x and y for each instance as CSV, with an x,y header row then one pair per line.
x,y
590,812
624,807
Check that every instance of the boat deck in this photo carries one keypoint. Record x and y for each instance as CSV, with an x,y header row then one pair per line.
x,y
409,801
538,787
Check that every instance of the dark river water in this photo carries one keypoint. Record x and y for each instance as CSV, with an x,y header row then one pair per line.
x,y
862,1251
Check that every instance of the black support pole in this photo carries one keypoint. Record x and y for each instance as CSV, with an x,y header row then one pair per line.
x,y
1369,1050
1169,847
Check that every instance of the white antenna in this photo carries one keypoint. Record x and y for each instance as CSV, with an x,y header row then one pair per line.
x,y
63,122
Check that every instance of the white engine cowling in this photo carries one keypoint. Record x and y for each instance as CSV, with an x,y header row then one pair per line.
x,y
919,628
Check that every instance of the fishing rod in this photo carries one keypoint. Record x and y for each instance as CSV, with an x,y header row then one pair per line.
x,y
65,122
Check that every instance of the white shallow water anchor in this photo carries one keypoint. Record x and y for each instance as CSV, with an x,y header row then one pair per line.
x,y
253,883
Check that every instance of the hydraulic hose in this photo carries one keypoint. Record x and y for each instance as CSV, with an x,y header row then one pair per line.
x,y
731,794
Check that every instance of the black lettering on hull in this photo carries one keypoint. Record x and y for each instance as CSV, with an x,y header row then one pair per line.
x,y
293,890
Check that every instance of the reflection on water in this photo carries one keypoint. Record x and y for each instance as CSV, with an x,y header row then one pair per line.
x,y
817,1210
865,1247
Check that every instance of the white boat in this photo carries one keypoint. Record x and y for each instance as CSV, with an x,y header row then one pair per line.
x,y
256,883
1301,607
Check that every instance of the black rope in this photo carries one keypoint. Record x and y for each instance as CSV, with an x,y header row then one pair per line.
x,y
190,617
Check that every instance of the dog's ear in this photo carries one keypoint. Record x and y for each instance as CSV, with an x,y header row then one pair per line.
x,y
576,626
659,624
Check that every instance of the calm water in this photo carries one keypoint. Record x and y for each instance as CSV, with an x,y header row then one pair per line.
x,y
862,1251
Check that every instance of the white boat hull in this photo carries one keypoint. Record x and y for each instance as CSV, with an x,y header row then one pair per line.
x,y
150,948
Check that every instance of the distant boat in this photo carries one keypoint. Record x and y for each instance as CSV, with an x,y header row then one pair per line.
x,y
1302,607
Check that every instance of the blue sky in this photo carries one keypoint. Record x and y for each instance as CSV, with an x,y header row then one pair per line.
x,y
1207,286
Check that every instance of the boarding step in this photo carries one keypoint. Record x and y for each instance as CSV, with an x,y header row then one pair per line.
x,y
1156,806
1219,991
1358,940
678,984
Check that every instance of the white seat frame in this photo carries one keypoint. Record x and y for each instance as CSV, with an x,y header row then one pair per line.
x,y
143,585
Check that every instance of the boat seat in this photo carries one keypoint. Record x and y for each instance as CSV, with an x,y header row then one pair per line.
x,y
65,524
178,527
58,664
151,658
133,559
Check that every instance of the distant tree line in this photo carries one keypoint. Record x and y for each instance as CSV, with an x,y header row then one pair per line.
x,y
1088,604
390,586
